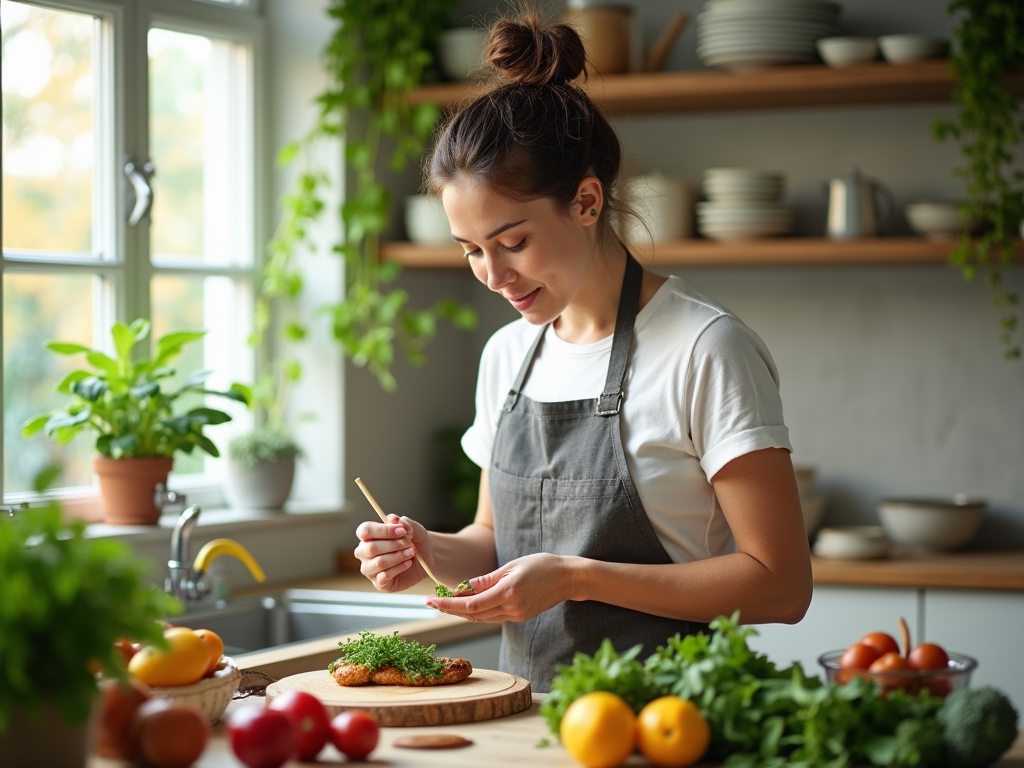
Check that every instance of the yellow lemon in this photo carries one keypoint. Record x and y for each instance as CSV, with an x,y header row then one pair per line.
x,y
183,663
599,730
672,732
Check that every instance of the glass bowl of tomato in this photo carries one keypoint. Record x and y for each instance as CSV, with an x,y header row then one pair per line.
x,y
940,682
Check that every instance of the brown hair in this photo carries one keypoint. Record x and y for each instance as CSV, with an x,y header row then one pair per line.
x,y
534,134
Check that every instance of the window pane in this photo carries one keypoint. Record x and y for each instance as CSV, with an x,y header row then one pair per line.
x,y
48,85
199,128
37,309
215,304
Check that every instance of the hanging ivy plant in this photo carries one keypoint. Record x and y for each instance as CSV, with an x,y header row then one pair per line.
x,y
988,43
380,50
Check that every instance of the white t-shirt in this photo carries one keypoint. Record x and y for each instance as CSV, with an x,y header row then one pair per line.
x,y
701,389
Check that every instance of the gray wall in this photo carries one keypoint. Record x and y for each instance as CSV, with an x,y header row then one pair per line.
x,y
892,377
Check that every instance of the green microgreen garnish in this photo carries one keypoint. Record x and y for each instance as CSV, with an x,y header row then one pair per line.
x,y
464,586
376,651
442,591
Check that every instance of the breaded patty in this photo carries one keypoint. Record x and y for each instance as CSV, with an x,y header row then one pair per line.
x,y
455,671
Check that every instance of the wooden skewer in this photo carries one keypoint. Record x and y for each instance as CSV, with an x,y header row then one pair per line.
x,y
383,517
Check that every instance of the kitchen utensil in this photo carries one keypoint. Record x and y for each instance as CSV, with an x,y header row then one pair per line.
x,y
936,524
606,31
939,681
937,220
899,49
844,51
384,518
856,206
484,695
661,47
855,542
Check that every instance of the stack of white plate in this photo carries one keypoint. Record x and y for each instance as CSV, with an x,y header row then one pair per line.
x,y
743,204
747,34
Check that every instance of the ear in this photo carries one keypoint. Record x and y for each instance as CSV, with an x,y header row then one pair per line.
x,y
588,205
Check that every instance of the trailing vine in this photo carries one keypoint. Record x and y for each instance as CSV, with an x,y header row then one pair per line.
x,y
380,51
988,43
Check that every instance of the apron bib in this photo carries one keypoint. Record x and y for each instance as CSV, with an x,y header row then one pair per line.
x,y
559,483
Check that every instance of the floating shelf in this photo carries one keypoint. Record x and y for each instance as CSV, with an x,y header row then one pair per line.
x,y
707,253
785,86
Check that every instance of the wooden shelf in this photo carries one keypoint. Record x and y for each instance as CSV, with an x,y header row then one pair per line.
x,y
707,253
788,86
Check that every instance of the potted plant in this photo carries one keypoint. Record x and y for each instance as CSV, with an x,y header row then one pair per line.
x,y
378,53
261,468
64,599
127,403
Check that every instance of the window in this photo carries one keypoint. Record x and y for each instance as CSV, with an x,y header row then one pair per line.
x,y
85,132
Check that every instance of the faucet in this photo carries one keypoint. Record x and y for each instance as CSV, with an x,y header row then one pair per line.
x,y
186,582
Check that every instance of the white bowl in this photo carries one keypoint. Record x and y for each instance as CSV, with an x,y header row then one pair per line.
x,y
461,51
426,223
937,220
855,542
936,524
210,696
845,51
899,49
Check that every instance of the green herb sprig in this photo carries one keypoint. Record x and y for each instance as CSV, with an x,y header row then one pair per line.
x,y
442,591
376,651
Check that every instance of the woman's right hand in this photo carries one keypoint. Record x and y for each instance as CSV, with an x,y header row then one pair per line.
x,y
386,555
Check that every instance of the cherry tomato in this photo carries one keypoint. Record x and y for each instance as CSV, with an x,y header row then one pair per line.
x,y
120,701
127,649
169,735
261,738
355,733
928,656
309,721
858,656
881,642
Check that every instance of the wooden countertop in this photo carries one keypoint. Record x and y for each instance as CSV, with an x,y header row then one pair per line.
x,y
961,570
509,740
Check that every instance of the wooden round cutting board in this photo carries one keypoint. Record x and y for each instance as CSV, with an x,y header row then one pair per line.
x,y
484,695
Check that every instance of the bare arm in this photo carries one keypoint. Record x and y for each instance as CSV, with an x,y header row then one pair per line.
x,y
768,579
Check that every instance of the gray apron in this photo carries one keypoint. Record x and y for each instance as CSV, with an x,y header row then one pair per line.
x,y
559,483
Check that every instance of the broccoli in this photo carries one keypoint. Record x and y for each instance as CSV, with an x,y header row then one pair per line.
x,y
917,743
978,726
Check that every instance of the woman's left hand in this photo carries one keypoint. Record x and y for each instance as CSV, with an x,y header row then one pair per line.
x,y
517,591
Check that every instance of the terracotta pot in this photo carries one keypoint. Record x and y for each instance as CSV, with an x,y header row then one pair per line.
x,y
126,488
46,741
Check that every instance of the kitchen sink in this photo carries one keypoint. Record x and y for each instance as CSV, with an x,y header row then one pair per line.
x,y
293,615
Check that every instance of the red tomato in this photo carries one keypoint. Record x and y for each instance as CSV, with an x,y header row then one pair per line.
x,y
261,738
858,656
355,733
881,642
120,701
309,721
169,735
928,656
890,662
127,649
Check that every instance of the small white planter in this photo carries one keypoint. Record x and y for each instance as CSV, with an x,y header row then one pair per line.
x,y
265,486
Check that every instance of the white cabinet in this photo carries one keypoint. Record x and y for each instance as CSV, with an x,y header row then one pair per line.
x,y
837,617
987,625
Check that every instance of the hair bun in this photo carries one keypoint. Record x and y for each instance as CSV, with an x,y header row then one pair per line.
x,y
527,52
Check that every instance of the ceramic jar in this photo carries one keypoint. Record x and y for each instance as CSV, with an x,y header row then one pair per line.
x,y
607,32
666,205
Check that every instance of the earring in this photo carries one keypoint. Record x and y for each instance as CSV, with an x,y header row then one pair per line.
x,y
593,211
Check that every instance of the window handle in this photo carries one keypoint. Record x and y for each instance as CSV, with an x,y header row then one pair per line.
x,y
139,179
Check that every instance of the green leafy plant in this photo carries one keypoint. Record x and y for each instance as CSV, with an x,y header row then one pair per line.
x,y
64,600
124,399
379,52
263,444
988,43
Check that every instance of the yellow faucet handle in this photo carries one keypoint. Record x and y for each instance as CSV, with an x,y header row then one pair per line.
x,y
214,549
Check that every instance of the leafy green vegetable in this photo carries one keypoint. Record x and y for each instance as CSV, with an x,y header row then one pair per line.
x,y
465,586
442,591
376,651
760,716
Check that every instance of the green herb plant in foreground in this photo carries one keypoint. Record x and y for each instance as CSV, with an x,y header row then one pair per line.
x,y
64,600
376,651
762,716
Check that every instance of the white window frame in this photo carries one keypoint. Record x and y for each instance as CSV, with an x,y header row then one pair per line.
x,y
123,257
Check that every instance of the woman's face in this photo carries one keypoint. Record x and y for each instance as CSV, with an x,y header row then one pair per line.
x,y
534,255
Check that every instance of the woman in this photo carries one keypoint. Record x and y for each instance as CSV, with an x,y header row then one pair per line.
x,y
636,474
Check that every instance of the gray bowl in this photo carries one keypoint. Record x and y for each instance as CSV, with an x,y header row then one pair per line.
x,y
938,524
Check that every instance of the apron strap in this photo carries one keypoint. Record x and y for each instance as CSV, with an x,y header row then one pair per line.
x,y
611,399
